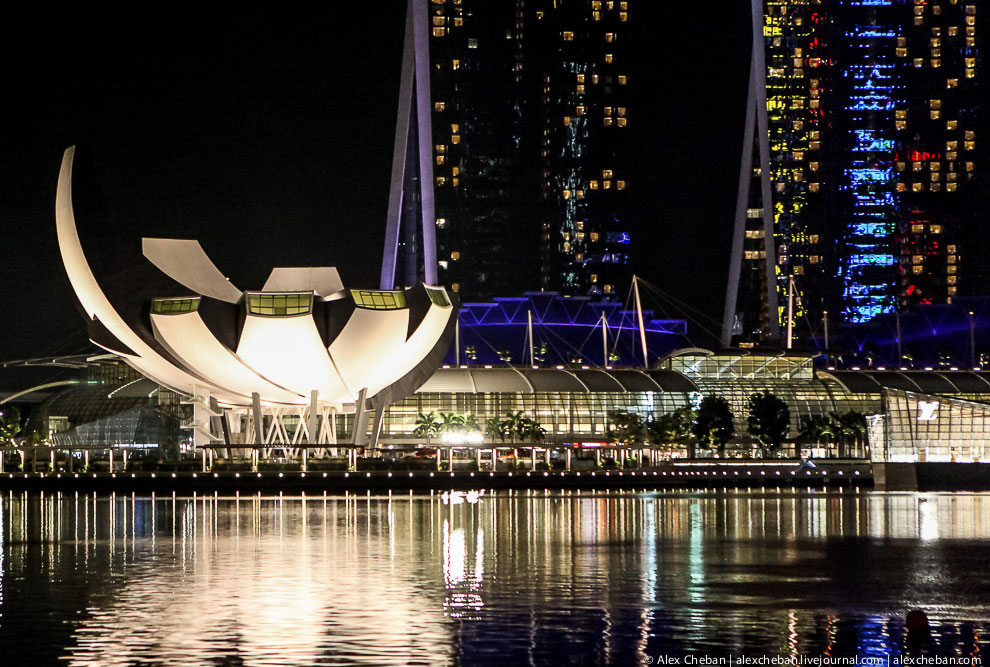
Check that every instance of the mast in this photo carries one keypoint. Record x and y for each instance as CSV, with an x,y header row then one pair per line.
x,y
604,340
457,339
639,316
897,322
790,310
529,334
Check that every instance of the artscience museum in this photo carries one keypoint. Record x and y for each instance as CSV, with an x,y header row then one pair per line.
x,y
303,347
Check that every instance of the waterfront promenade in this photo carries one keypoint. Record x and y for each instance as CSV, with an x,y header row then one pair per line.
x,y
748,474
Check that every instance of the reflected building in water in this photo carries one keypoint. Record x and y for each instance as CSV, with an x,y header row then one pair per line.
x,y
525,578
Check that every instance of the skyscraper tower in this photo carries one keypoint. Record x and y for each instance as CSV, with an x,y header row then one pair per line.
x,y
530,110
872,107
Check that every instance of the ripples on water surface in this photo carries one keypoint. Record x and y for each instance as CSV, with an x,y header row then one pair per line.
x,y
540,578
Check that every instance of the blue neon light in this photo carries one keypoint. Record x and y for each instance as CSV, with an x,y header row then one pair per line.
x,y
868,269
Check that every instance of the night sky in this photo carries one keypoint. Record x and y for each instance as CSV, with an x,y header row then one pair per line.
x,y
266,133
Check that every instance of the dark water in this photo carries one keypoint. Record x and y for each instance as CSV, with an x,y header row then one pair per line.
x,y
523,579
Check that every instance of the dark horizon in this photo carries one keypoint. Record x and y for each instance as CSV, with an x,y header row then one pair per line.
x,y
269,139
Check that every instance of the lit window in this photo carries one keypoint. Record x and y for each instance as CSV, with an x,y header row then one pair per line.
x,y
455,64
439,32
174,306
568,36
378,300
279,305
472,43
455,255
936,229
620,185
439,106
608,57
441,222
610,37
455,139
621,122
438,295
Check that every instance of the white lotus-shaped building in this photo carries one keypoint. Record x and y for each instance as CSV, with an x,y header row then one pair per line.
x,y
303,342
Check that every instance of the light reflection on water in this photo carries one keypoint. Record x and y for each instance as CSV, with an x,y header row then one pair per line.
x,y
532,578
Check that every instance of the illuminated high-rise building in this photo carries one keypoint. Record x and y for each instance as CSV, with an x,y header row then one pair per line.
x,y
871,115
530,116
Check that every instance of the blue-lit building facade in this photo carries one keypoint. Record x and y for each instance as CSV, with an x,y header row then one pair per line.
x,y
873,115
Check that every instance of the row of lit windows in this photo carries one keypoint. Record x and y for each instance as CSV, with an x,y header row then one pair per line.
x,y
293,303
174,306
932,187
918,228
379,300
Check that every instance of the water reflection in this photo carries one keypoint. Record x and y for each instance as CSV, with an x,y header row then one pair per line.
x,y
534,578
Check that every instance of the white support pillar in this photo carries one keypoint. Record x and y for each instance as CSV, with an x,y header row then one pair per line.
x,y
313,421
567,458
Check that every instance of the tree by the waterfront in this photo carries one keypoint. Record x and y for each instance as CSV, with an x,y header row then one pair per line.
x,y
428,426
626,428
713,424
10,423
769,420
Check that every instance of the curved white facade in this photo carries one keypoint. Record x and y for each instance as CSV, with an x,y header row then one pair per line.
x,y
302,333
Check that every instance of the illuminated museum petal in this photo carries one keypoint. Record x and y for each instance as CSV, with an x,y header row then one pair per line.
x,y
188,338
290,352
324,280
92,297
185,262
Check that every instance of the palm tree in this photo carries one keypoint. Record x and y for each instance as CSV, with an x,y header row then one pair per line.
x,y
427,426
818,429
451,422
852,426
470,422
532,430
493,429
512,425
